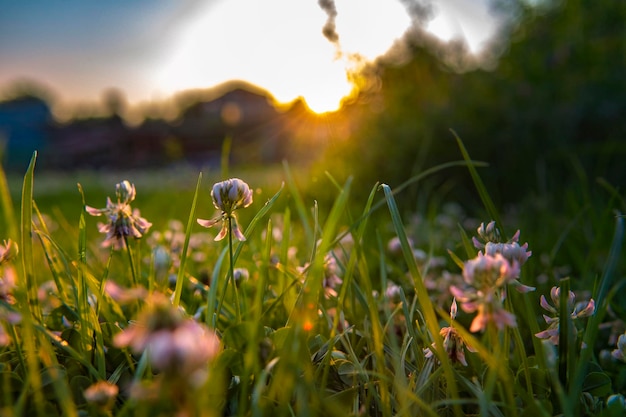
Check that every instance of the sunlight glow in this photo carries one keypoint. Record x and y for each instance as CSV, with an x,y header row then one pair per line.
x,y
288,56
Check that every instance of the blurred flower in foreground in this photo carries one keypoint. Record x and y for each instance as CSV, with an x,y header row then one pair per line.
x,y
101,394
453,343
123,221
486,278
8,280
176,345
228,196
8,251
579,310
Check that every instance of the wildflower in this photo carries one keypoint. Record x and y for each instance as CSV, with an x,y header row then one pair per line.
x,y
453,343
331,280
176,345
228,196
392,293
579,310
124,295
620,352
488,233
511,249
486,277
240,275
8,251
123,221
101,394
8,278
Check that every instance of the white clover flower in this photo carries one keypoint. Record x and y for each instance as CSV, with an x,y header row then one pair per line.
x,y
453,343
228,196
123,221
620,352
578,310
486,278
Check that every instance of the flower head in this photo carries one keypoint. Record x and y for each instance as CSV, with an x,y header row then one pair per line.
x,y
620,352
123,221
8,276
488,233
8,251
453,343
228,196
486,277
176,345
578,310
101,394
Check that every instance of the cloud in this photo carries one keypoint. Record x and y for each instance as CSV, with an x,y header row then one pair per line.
x,y
330,30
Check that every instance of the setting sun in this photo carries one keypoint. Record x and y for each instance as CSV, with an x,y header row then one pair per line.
x,y
288,56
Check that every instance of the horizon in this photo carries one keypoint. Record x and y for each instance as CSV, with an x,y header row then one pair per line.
x,y
153,54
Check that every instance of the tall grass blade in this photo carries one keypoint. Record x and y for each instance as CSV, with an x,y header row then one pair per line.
x,y
480,186
602,301
7,206
426,305
26,246
300,207
180,278
313,283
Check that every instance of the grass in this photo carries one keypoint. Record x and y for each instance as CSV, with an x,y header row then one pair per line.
x,y
334,310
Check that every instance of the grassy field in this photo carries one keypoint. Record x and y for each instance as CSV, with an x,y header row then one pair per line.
x,y
330,306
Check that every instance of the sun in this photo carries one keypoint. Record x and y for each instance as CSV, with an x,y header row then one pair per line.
x,y
279,46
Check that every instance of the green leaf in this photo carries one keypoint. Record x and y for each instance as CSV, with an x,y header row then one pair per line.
x,y
597,384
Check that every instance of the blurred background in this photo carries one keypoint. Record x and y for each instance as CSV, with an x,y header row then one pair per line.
x,y
371,89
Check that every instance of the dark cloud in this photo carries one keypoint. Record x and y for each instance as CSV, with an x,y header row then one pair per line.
x,y
329,30
420,11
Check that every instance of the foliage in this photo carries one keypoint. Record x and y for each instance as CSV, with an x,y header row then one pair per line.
x,y
330,311
543,107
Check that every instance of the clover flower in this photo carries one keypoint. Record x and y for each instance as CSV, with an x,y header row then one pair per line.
x,y
488,233
453,343
8,282
8,251
101,394
578,310
511,249
228,196
486,278
123,221
8,278
176,345
620,352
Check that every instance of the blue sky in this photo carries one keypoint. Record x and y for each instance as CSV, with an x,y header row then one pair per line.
x,y
149,49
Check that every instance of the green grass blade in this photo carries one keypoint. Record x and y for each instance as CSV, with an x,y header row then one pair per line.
x,y
427,309
7,207
183,256
480,186
26,246
313,283
300,207
602,301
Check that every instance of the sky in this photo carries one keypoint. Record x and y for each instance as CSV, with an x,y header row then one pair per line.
x,y
152,49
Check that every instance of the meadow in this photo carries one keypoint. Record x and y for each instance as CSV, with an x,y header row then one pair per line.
x,y
305,306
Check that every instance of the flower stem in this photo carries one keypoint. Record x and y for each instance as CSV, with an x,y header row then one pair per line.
x,y
131,261
232,269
